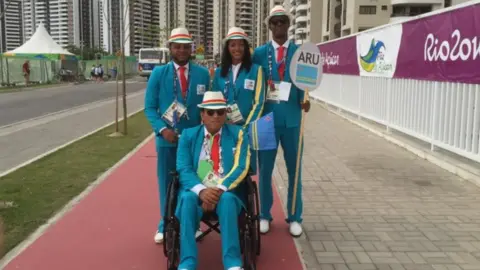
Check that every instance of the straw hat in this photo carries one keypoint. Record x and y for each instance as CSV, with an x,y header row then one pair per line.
x,y
213,100
180,35
278,11
236,33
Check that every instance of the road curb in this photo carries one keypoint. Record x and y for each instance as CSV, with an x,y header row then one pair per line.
x,y
69,206
64,145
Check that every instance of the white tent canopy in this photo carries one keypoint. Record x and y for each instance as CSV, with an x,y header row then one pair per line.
x,y
40,43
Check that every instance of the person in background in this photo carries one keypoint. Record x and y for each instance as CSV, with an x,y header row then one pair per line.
x,y
93,75
275,58
26,72
173,92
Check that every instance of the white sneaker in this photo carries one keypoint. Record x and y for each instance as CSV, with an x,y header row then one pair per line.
x,y
295,229
264,226
235,268
158,237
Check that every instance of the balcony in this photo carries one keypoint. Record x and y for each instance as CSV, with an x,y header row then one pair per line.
x,y
417,2
301,19
399,19
302,7
302,30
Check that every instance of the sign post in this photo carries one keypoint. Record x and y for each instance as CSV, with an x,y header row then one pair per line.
x,y
306,73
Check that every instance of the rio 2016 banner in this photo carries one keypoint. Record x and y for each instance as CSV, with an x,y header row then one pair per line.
x,y
442,47
339,56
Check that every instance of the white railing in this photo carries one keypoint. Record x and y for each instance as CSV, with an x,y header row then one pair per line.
x,y
443,114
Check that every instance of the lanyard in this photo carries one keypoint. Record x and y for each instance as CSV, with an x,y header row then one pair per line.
x,y
175,95
229,83
270,64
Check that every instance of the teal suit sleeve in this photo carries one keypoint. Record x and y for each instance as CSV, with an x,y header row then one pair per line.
x,y
259,98
185,168
241,163
152,98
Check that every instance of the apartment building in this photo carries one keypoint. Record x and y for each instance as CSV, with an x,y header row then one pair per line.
x,y
133,24
307,20
97,23
345,17
11,26
198,16
56,15
404,9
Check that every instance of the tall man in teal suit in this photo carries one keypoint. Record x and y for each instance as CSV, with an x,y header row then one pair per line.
x,y
286,102
212,160
173,92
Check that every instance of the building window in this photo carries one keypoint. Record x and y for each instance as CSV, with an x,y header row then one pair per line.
x,y
368,10
384,7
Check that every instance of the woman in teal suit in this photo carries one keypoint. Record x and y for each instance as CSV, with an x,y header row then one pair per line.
x,y
241,82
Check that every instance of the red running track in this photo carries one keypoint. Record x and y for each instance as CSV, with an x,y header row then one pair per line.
x,y
113,228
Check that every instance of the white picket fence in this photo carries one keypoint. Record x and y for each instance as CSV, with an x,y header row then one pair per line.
x,y
443,114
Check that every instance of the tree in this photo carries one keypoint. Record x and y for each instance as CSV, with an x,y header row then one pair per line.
x,y
124,37
86,53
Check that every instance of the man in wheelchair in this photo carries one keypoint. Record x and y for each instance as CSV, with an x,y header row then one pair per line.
x,y
212,161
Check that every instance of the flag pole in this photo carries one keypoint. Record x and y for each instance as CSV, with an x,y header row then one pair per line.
x,y
299,155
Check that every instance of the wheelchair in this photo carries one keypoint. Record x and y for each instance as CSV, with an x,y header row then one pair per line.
x,y
249,225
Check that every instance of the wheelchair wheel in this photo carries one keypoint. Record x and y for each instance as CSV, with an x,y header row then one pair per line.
x,y
172,245
251,230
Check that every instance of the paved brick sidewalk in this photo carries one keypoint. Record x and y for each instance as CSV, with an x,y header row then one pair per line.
x,y
372,205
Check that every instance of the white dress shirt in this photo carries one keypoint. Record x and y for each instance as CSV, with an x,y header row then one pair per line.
x,y
235,69
276,46
187,67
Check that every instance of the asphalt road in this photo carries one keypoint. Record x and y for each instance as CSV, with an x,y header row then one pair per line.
x,y
20,106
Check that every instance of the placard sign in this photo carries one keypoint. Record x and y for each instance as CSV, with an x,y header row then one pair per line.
x,y
306,67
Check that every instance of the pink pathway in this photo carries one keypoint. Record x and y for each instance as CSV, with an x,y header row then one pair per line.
x,y
113,227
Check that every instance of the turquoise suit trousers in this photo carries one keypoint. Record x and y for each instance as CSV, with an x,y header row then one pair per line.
x,y
189,212
166,159
288,138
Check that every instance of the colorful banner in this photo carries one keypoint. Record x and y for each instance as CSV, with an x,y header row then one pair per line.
x,y
443,47
377,51
340,56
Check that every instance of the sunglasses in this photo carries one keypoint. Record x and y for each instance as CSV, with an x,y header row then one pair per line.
x,y
278,21
219,112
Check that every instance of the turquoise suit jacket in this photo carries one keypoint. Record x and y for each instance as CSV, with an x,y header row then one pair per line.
x,y
249,101
235,157
160,95
286,114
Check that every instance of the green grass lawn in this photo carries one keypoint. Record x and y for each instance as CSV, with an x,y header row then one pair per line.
x,y
42,188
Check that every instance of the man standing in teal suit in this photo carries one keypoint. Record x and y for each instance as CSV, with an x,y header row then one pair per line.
x,y
286,102
173,92
212,160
